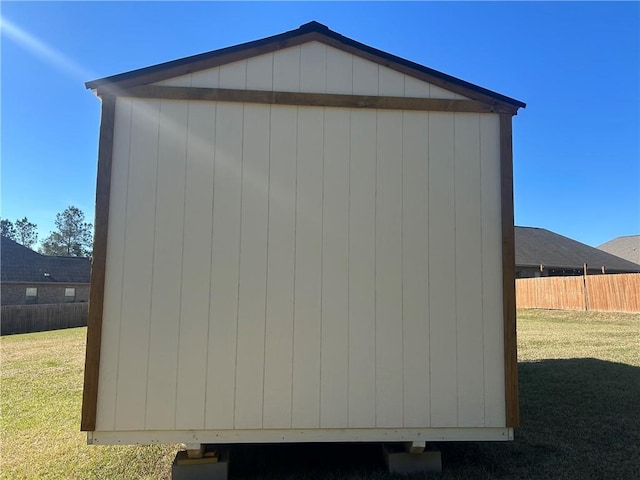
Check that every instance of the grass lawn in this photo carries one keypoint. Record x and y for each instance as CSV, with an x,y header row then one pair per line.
x,y
41,378
579,399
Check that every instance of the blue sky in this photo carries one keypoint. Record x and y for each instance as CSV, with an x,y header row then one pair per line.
x,y
576,65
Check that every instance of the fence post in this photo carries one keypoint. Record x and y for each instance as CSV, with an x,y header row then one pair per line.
x,y
584,287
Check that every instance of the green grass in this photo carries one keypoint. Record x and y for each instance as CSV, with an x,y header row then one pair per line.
x,y
579,403
40,398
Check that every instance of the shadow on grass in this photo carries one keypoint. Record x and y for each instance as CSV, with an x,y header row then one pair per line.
x,y
580,419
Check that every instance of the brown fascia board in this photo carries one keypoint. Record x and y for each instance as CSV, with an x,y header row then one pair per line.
x,y
308,32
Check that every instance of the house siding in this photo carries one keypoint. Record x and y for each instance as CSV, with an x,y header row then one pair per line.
x,y
15,293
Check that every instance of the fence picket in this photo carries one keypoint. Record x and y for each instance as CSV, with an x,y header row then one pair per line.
x,y
617,292
39,318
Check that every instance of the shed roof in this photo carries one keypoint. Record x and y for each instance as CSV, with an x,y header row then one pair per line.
x,y
538,246
21,264
312,31
627,247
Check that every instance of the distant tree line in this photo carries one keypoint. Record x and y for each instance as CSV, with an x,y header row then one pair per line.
x,y
72,237
22,231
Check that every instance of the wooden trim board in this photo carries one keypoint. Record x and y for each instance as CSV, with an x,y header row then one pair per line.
x,y
310,99
508,273
96,292
452,434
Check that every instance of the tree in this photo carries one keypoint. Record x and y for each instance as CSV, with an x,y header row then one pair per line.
x,y
26,232
7,229
22,231
73,237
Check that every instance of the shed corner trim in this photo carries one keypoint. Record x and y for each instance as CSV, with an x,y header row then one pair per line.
x,y
96,292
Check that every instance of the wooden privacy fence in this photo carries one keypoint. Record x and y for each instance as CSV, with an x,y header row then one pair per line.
x,y
38,318
618,293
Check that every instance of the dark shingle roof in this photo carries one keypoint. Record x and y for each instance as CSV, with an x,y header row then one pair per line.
x,y
627,247
21,264
537,246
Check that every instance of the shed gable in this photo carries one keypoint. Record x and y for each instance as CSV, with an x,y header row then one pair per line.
x,y
313,67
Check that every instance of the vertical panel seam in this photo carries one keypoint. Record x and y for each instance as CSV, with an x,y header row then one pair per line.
x,y
428,276
402,160
213,193
428,292
349,270
375,277
266,285
455,268
235,370
348,257
401,246
124,251
321,260
184,212
153,251
482,246
295,236
321,264
295,240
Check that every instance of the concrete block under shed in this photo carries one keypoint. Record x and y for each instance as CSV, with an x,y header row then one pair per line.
x,y
404,463
185,468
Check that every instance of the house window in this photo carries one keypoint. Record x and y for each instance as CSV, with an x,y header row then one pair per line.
x,y
31,296
69,295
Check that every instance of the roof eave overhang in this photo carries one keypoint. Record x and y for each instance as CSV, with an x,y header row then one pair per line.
x,y
312,31
577,267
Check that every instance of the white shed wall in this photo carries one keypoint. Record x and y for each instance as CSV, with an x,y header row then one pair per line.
x,y
281,268
274,267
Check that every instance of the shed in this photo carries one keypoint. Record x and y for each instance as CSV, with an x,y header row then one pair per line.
x,y
301,239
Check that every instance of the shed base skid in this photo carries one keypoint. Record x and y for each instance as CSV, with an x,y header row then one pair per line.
x,y
404,462
205,468
148,437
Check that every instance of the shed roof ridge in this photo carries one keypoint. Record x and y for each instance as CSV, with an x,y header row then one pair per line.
x,y
279,39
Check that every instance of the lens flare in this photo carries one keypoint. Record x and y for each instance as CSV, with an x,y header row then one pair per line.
x,y
43,51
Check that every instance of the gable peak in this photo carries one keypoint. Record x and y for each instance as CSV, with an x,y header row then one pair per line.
x,y
313,26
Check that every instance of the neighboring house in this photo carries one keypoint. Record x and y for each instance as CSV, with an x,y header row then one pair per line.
x,y
627,247
542,253
28,277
